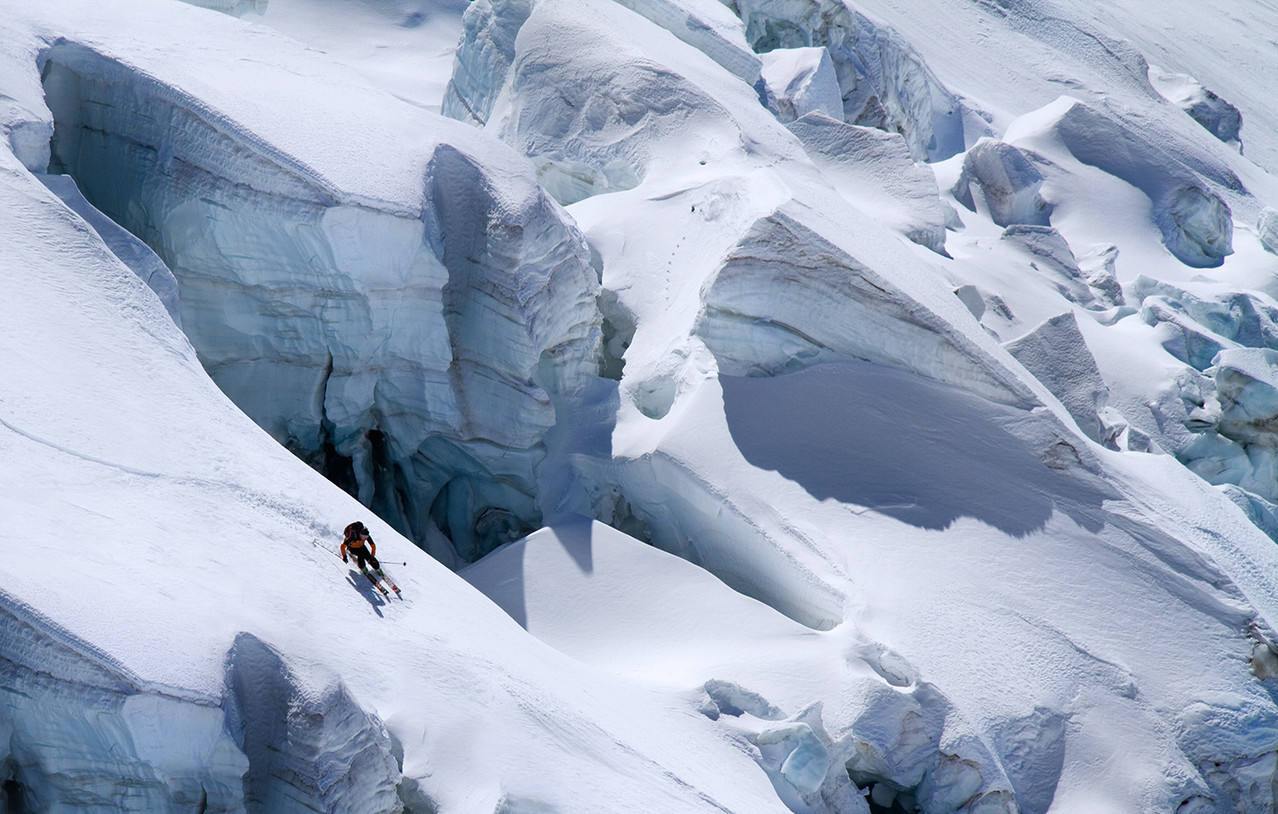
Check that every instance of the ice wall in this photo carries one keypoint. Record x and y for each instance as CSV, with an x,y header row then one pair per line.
x,y
81,733
884,82
309,748
484,57
410,350
1009,184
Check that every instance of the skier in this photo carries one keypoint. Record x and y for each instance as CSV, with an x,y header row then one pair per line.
x,y
360,545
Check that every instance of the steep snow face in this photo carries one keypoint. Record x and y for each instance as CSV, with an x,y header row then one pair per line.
x,y
883,729
409,351
179,621
872,170
835,307
123,244
796,399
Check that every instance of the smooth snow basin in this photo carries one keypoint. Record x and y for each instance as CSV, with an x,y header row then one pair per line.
x,y
603,597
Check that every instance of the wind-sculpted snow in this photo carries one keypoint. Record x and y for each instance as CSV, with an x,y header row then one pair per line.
x,y
707,25
884,82
1220,118
834,307
132,252
157,526
885,732
486,53
1196,224
407,353
873,171
597,117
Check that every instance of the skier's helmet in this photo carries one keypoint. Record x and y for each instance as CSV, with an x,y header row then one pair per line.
x,y
355,529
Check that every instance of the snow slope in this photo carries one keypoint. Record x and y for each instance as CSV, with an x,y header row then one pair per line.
x,y
168,538
894,383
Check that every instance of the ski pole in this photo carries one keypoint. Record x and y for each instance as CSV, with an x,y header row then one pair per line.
x,y
318,544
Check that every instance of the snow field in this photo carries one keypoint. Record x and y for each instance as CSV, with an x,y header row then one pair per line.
x,y
944,564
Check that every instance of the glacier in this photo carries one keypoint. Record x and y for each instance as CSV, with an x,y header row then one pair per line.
x,y
413,439
766,406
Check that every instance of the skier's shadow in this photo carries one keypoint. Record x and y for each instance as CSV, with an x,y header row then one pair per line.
x,y
360,583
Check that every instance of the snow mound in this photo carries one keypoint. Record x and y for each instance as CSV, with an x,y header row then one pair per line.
x,y
873,171
547,580
581,587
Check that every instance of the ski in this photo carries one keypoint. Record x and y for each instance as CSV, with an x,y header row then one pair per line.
x,y
376,577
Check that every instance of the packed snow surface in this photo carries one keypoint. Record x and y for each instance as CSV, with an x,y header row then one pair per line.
x,y
779,405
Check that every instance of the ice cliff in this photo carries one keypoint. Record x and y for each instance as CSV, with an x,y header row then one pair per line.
x,y
416,342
